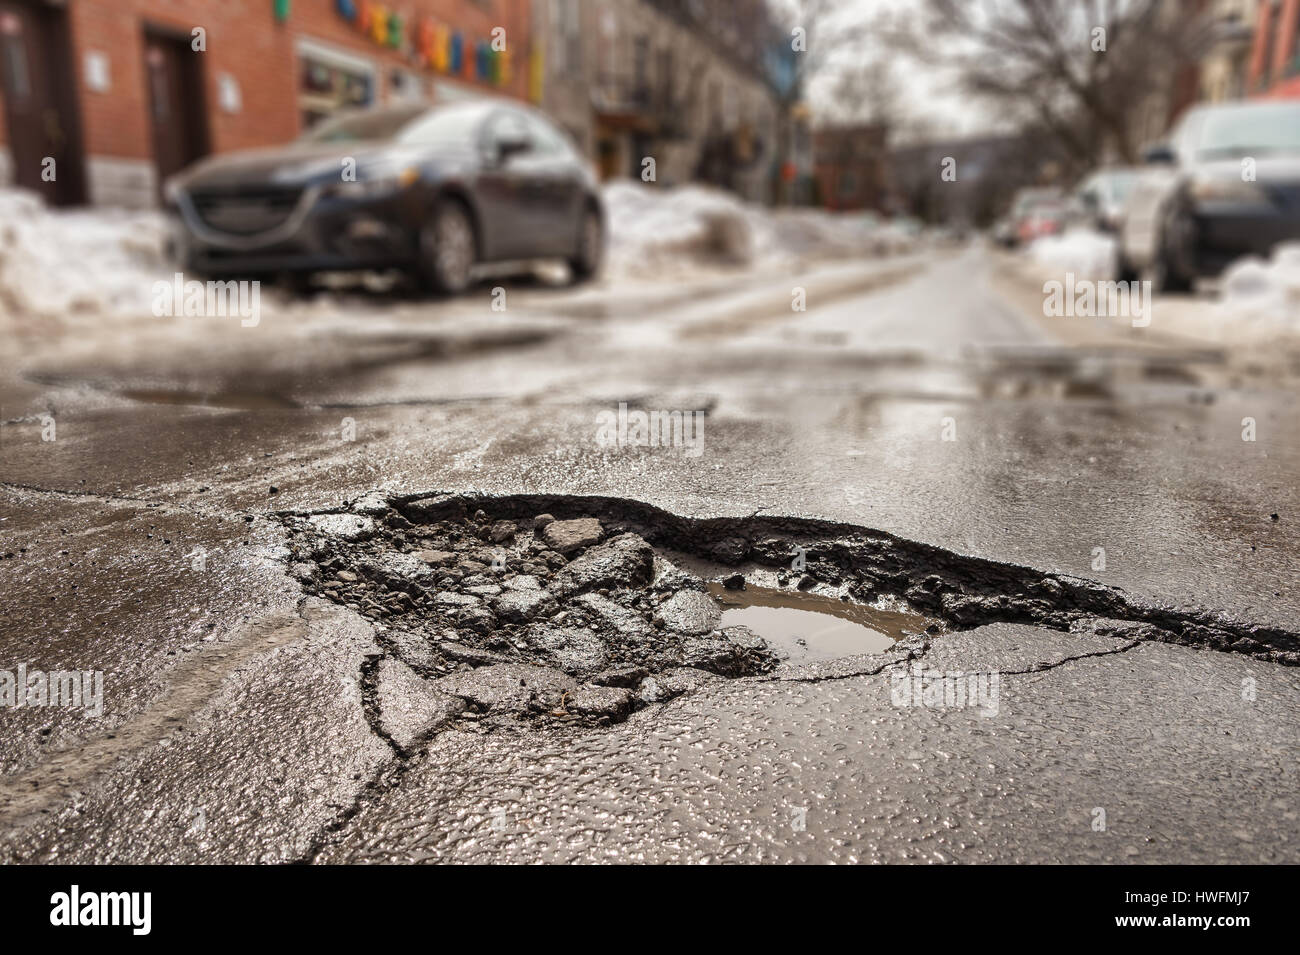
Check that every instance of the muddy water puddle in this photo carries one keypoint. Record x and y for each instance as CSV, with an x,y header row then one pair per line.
x,y
814,627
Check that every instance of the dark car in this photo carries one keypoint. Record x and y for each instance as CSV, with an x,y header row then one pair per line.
x,y
1227,184
1100,199
433,190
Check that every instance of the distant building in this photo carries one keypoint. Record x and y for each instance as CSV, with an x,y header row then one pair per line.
x,y
1177,77
1275,56
851,166
988,170
561,66
1226,63
691,86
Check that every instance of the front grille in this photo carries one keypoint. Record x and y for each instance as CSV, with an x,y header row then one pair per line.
x,y
1288,197
246,211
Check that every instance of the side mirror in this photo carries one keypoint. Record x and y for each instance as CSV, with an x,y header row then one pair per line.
x,y
512,147
1158,154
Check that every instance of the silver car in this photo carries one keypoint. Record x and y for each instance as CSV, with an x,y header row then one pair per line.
x,y
1225,185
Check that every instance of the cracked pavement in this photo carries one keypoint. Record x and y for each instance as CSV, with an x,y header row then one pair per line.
x,y
248,719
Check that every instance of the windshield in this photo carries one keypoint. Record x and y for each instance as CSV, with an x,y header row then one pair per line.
x,y
1115,186
1030,198
1257,128
446,125
364,125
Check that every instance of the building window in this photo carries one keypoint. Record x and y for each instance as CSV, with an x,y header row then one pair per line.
x,y
15,61
1292,65
567,32
404,87
1274,39
330,81
664,69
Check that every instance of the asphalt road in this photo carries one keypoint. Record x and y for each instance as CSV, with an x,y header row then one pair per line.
x,y
235,723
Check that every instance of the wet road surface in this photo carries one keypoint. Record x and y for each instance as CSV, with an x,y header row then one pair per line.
x,y
230,695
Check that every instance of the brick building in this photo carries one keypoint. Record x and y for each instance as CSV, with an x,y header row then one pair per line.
x,y
851,168
1275,56
112,96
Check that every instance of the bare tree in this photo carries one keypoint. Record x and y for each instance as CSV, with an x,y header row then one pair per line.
x,y
1080,69
863,92
818,32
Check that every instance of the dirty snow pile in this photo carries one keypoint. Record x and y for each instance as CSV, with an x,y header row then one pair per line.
x,y
1087,253
1265,293
652,229
79,264
655,231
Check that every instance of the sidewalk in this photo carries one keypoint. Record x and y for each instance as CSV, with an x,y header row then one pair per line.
x,y
1188,325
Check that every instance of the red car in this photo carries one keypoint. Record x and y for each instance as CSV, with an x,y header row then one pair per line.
x,y
1036,213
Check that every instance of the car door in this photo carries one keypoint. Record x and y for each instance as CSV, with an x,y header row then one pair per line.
x,y
559,189
507,187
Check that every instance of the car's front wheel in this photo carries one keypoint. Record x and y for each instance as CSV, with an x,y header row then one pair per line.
x,y
1166,272
447,249
591,247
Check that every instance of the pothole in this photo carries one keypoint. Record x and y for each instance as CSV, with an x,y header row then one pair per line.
x,y
800,627
585,609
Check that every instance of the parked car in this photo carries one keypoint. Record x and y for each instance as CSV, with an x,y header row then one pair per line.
x,y
430,189
1004,232
1036,212
1225,185
1099,200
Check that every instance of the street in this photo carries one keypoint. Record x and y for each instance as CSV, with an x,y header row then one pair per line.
x,y
1071,503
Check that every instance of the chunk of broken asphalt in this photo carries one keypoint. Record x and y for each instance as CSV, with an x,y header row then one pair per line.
x,y
508,686
569,536
626,560
409,707
348,527
689,611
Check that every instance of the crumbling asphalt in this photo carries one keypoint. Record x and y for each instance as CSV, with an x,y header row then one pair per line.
x,y
193,552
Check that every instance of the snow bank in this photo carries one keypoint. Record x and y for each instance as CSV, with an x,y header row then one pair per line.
x,y
1264,293
71,269
1087,253
656,231
77,265
650,229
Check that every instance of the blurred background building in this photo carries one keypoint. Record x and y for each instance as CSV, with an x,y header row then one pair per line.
x,y
1275,54
852,166
122,93
1227,56
695,86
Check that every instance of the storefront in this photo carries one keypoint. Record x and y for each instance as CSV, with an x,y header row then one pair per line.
x,y
101,100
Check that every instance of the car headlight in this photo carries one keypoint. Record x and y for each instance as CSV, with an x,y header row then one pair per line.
x,y
374,186
1226,189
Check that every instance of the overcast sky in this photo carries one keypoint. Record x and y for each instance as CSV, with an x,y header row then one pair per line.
x,y
924,92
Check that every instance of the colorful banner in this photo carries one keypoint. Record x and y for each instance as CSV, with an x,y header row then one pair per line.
x,y
432,44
